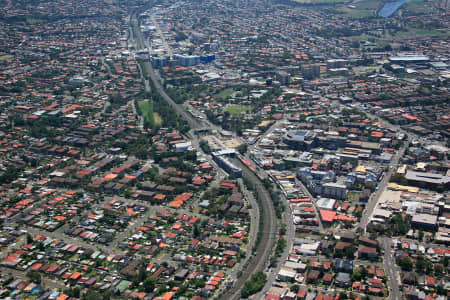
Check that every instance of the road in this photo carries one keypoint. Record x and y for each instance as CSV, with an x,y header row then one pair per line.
x,y
254,213
288,219
373,200
254,227
131,228
68,239
140,119
177,108
163,38
140,221
48,283
313,201
391,268
388,260
264,249
18,244
269,233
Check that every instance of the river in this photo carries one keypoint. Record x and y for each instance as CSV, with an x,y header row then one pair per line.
x,y
390,8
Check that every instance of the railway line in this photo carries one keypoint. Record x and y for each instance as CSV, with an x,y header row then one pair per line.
x,y
268,229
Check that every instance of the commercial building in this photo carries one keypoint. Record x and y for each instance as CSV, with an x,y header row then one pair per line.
x,y
300,139
227,165
405,59
187,60
311,71
283,77
424,221
325,203
335,190
424,179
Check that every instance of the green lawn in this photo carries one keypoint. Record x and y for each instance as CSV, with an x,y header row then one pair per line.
x,y
5,57
146,109
418,6
33,21
237,109
365,70
412,32
157,119
370,8
319,1
360,9
74,258
353,196
224,94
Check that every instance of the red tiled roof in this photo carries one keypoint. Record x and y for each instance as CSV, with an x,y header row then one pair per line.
x,y
327,216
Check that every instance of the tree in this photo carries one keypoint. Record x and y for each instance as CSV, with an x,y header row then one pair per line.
x,y
406,264
29,238
364,272
242,148
10,174
196,229
295,288
283,229
421,234
420,263
356,276
441,290
73,292
34,276
445,260
180,36
400,225
343,296
438,270
92,295
149,284
429,266
254,284
349,252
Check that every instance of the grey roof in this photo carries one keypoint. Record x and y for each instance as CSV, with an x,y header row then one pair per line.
x,y
427,177
409,58
343,277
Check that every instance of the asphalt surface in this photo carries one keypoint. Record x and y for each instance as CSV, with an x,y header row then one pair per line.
x,y
289,237
177,108
391,268
269,230
68,239
44,281
269,233
373,200
161,35
313,201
